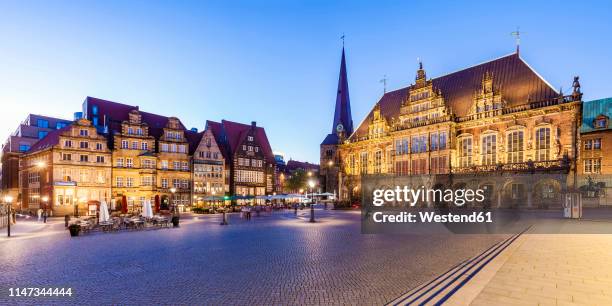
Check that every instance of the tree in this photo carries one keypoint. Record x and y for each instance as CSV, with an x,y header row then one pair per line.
x,y
296,181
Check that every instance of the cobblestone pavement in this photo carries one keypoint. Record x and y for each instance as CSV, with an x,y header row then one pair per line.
x,y
274,259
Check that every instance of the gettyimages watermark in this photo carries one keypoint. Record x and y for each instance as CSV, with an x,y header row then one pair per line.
x,y
478,204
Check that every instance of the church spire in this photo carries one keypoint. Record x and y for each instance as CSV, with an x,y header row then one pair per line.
x,y
343,122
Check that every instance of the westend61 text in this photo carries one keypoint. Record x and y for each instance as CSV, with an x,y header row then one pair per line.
x,y
411,196
428,217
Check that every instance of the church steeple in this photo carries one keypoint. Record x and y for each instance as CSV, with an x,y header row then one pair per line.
x,y
343,121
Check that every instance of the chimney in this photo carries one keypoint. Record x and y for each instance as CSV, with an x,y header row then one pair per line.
x,y
195,130
253,124
78,116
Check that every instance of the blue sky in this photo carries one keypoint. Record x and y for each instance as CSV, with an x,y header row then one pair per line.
x,y
276,62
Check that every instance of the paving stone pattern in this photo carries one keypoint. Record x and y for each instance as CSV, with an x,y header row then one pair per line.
x,y
278,259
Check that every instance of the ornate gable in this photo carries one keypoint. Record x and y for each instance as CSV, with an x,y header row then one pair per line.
x,y
488,98
423,102
378,125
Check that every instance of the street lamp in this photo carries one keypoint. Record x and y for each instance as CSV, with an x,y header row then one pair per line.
x,y
311,184
173,191
330,164
8,200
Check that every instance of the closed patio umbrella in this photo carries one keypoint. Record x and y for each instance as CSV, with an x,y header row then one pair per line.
x,y
104,215
147,211
124,207
157,203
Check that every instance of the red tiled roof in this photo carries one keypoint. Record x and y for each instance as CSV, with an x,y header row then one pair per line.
x,y
518,83
229,135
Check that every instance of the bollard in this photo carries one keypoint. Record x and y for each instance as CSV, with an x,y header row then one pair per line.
x,y
224,221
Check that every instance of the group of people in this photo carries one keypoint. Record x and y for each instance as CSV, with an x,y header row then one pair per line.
x,y
43,214
247,211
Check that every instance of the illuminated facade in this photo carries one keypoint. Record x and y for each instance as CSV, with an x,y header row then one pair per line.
x,y
595,166
173,170
498,117
248,159
70,168
209,179
134,164
28,133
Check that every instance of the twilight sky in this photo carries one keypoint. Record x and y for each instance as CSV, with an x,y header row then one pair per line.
x,y
276,62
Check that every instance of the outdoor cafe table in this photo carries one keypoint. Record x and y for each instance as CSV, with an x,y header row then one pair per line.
x,y
138,222
106,226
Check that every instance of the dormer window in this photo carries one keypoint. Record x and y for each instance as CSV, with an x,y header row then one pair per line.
x,y
250,138
601,122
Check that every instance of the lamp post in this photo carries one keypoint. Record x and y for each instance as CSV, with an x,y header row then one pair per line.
x,y
8,200
40,165
330,164
174,208
311,184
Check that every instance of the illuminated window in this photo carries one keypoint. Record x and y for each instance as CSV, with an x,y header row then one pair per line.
x,y
377,161
363,163
465,152
489,150
515,147
543,144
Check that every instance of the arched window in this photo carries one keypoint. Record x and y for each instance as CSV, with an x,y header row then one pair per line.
x,y
515,147
465,152
542,144
489,149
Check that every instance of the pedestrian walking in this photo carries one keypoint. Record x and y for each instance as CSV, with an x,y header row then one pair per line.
x,y
39,213
45,216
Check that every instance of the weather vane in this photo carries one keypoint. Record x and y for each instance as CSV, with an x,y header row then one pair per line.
x,y
517,36
342,37
384,82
